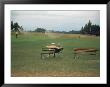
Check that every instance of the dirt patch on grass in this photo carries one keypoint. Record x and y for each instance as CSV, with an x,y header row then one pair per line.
x,y
54,74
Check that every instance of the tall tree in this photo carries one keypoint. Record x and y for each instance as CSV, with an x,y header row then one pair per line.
x,y
90,29
89,26
82,30
16,26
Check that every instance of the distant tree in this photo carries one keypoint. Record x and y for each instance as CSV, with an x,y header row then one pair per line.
x,y
21,27
90,29
82,30
73,32
16,27
40,30
95,30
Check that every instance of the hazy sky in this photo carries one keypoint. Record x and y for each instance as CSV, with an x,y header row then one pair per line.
x,y
55,20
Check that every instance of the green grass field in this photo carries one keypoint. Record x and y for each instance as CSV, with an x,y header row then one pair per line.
x,y
26,59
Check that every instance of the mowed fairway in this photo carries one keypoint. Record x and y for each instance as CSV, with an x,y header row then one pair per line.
x,y
26,59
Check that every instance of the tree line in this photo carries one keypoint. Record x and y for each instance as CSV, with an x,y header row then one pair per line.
x,y
53,31
90,29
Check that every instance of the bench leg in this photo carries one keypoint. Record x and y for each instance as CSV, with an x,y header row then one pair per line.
x,y
48,54
54,54
76,55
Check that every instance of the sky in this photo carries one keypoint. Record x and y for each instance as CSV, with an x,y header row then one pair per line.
x,y
55,20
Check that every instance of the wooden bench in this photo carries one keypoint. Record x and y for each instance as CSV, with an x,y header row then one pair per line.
x,y
90,51
48,51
